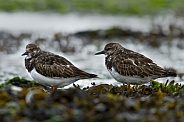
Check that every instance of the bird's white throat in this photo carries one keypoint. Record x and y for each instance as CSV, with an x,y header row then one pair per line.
x,y
28,56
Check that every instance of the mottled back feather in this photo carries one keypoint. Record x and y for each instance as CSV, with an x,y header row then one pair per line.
x,y
55,66
129,63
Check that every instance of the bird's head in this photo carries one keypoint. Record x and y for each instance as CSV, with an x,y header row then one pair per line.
x,y
31,51
109,49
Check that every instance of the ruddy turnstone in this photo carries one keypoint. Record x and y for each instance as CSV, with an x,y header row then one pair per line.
x,y
50,69
130,67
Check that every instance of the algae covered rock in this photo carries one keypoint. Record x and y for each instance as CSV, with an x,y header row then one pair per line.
x,y
159,102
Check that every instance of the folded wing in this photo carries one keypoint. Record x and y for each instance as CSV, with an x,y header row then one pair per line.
x,y
137,64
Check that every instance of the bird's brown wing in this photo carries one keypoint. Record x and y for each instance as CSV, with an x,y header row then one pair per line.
x,y
57,66
63,71
137,64
50,58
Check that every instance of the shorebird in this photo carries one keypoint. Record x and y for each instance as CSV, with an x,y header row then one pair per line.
x,y
50,69
130,67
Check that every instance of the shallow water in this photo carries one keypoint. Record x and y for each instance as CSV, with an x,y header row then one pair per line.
x,y
45,25
69,23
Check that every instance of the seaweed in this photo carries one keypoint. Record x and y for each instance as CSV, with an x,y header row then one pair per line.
x,y
156,102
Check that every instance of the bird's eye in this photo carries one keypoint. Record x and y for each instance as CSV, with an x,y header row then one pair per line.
x,y
108,48
32,50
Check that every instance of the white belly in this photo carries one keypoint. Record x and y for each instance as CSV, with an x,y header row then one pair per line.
x,y
128,79
51,81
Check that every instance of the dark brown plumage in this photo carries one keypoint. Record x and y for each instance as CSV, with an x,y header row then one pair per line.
x,y
128,66
52,66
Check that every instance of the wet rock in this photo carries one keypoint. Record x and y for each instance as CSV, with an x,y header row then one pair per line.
x,y
163,102
10,43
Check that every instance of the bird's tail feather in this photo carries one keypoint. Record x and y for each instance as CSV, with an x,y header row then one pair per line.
x,y
93,76
171,73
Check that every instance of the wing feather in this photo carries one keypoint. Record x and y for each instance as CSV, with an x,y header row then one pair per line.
x,y
136,64
64,71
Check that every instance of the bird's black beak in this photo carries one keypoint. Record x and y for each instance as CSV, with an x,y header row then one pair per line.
x,y
101,52
26,53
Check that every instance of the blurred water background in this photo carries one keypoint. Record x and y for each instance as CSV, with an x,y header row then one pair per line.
x,y
78,29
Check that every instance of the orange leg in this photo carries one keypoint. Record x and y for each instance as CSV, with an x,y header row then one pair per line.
x,y
128,86
53,89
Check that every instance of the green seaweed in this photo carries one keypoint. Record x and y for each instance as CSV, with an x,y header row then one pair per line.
x,y
21,82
